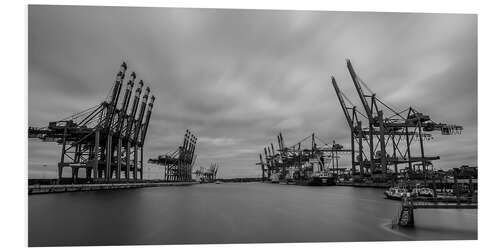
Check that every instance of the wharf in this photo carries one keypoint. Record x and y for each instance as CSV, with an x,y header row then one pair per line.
x,y
57,188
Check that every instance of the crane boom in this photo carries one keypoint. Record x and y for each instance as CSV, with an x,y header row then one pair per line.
x,y
359,90
342,103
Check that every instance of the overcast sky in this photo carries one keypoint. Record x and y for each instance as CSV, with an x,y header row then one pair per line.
x,y
237,78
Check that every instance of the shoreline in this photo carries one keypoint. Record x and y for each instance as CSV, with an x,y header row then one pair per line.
x,y
63,188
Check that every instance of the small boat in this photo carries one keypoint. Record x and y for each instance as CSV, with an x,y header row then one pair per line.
x,y
422,192
396,193
217,182
426,192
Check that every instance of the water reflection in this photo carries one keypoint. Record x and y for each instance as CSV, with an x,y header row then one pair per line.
x,y
232,213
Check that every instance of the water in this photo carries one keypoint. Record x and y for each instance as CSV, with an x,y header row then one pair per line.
x,y
233,213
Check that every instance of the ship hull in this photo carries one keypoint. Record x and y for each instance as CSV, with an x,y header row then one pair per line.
x,y
316,181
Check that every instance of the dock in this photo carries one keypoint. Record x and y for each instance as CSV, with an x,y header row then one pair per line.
x,y
408,206
57,188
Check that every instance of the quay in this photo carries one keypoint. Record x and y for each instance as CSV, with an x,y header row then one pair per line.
x,y
58,188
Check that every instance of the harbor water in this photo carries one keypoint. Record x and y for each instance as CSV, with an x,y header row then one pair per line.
x,y
233,213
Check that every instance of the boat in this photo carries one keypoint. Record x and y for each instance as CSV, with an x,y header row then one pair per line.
x,y
396,193
322,178
422,192
426,192
290,177
217,182
275,178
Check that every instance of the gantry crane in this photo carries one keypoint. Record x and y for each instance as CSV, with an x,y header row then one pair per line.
x,y
105,140
208,174
178,164
386,133
292,163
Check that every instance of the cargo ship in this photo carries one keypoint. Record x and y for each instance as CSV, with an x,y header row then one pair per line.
x,y
323,178
311,174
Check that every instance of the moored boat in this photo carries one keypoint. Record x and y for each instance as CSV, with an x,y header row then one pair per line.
x,y
396,193
422,192
322,179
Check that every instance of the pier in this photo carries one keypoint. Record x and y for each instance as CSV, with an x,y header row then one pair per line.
x,y
62,188
408,205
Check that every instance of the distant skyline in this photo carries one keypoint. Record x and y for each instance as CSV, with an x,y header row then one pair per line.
x,y
237,78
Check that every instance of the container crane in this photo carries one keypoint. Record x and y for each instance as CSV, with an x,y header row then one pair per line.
x,y
97,138
383,132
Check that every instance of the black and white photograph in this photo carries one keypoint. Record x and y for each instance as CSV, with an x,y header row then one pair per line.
x,y
184,125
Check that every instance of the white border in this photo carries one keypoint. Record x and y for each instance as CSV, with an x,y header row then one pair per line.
x,y
14,110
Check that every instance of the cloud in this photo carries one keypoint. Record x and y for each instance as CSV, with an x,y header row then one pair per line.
x,y
237,78
218,141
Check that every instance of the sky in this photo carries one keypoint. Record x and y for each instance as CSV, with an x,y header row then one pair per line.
x,y
237,78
